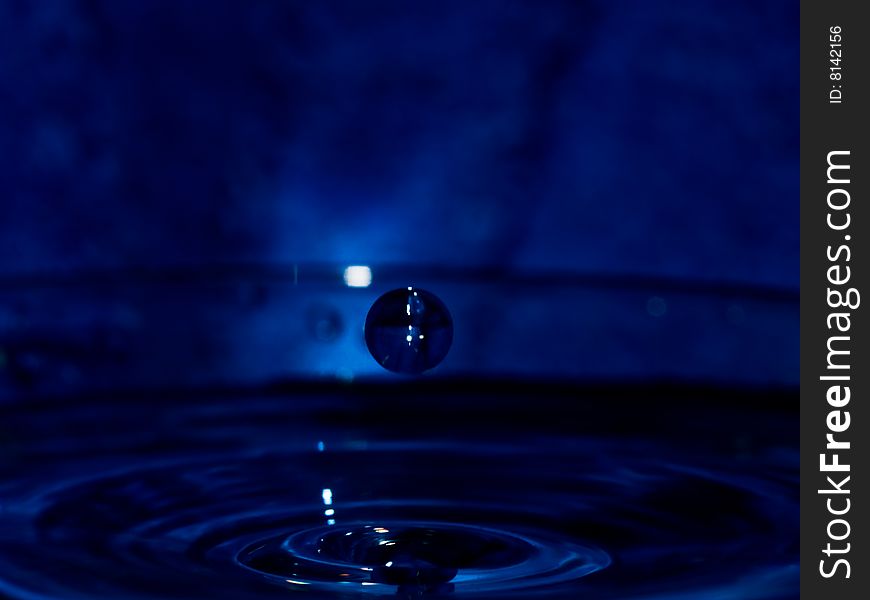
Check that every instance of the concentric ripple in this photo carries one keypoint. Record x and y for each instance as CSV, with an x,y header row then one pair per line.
x,y
420,557
236,498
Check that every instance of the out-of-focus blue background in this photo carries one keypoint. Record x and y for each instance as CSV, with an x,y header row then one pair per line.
x,y
639,141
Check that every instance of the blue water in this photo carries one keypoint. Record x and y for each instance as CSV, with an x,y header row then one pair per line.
x,y
424,489
408,330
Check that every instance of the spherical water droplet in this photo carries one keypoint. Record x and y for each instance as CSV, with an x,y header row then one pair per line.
x,y
408,330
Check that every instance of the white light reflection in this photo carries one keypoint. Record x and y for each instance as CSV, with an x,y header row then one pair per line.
x,y
358,276
326,494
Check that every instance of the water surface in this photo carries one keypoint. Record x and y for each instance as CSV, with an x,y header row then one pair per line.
x,y
423,489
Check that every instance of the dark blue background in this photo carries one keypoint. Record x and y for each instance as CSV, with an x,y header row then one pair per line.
x,y
635,140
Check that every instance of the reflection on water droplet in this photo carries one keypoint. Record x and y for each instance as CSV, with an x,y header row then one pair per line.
x,y
408,330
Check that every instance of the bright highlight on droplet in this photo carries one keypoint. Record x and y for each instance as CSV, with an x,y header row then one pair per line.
x,y
327,496
358,276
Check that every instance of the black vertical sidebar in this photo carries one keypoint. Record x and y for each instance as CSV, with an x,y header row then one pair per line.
x,y
835,299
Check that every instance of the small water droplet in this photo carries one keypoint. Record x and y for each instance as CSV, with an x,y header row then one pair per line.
x,y
408,330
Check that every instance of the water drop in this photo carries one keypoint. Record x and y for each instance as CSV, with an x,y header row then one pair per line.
x,y
408,330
